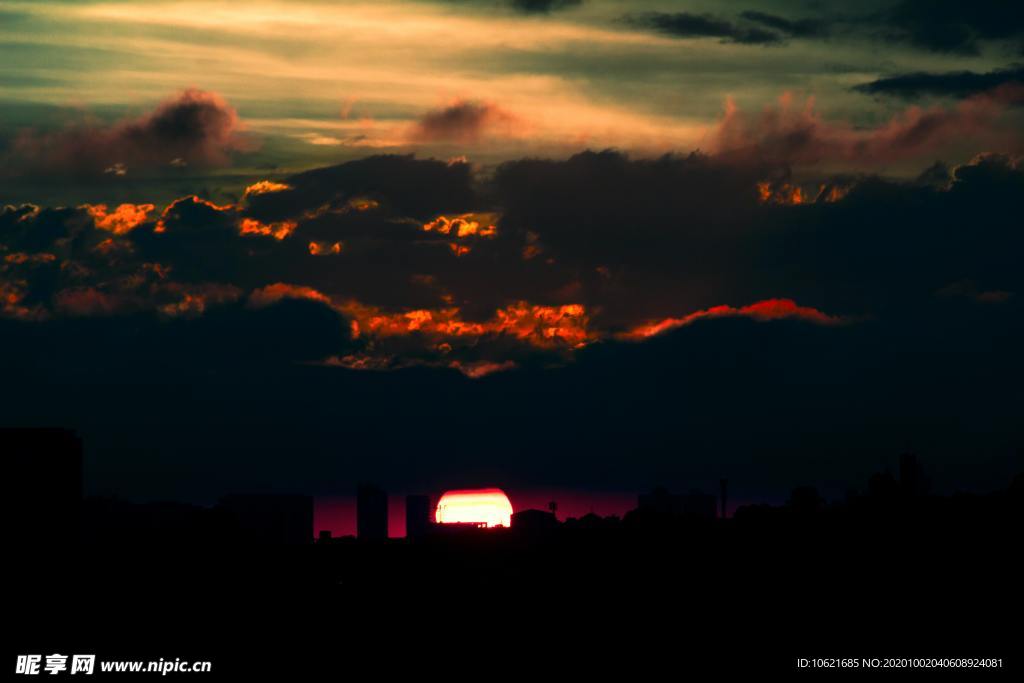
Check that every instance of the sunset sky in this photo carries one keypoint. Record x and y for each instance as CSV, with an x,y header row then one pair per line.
x,y
320,82
534,243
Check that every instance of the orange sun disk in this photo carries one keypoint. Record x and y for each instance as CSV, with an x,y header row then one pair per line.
x,y
483,507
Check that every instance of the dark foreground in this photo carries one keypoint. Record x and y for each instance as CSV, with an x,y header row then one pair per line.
x,y
718,597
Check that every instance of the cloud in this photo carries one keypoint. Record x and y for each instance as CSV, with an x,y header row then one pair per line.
x,y
733,394
687,25
194,127
85,301
745,293
798,28
788,134
465,122
770,309
950,84
279,291
529,6
121,220
420,188
943,26
565,326
648,239
949,26
279,230
970,290
264,187
543,6
532,264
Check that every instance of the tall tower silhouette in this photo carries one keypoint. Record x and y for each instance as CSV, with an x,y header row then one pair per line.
x,y
417,516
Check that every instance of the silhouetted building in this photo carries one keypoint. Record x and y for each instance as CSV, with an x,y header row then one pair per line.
x,y
42,474
462,530
118,522
913,480
699,504
692,504
273,519
805,500
417,516
659,500
592,522
371,512
882,486
534,521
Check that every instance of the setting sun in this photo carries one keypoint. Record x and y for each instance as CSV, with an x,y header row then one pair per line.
x,y
485,507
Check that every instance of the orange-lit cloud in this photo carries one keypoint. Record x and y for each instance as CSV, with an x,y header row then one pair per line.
x,y
361,361
265,187
121,220
278,230
271,294
540,326
325,248
193,300
12,302
362,204
171,210
478,369
20,258
464,225
769,309
791,194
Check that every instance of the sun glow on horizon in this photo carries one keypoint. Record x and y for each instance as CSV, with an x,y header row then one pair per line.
x,y
484,507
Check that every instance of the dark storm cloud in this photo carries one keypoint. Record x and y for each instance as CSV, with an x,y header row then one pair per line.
x,y
687,25
192,128
886,225
620,226
942,26
226,354
415,187
58,262
952,84
952,26
33,229
398,242
543,258
761,404
232,335
646,237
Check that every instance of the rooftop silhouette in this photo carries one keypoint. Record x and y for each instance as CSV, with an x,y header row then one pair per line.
x,y
895,544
